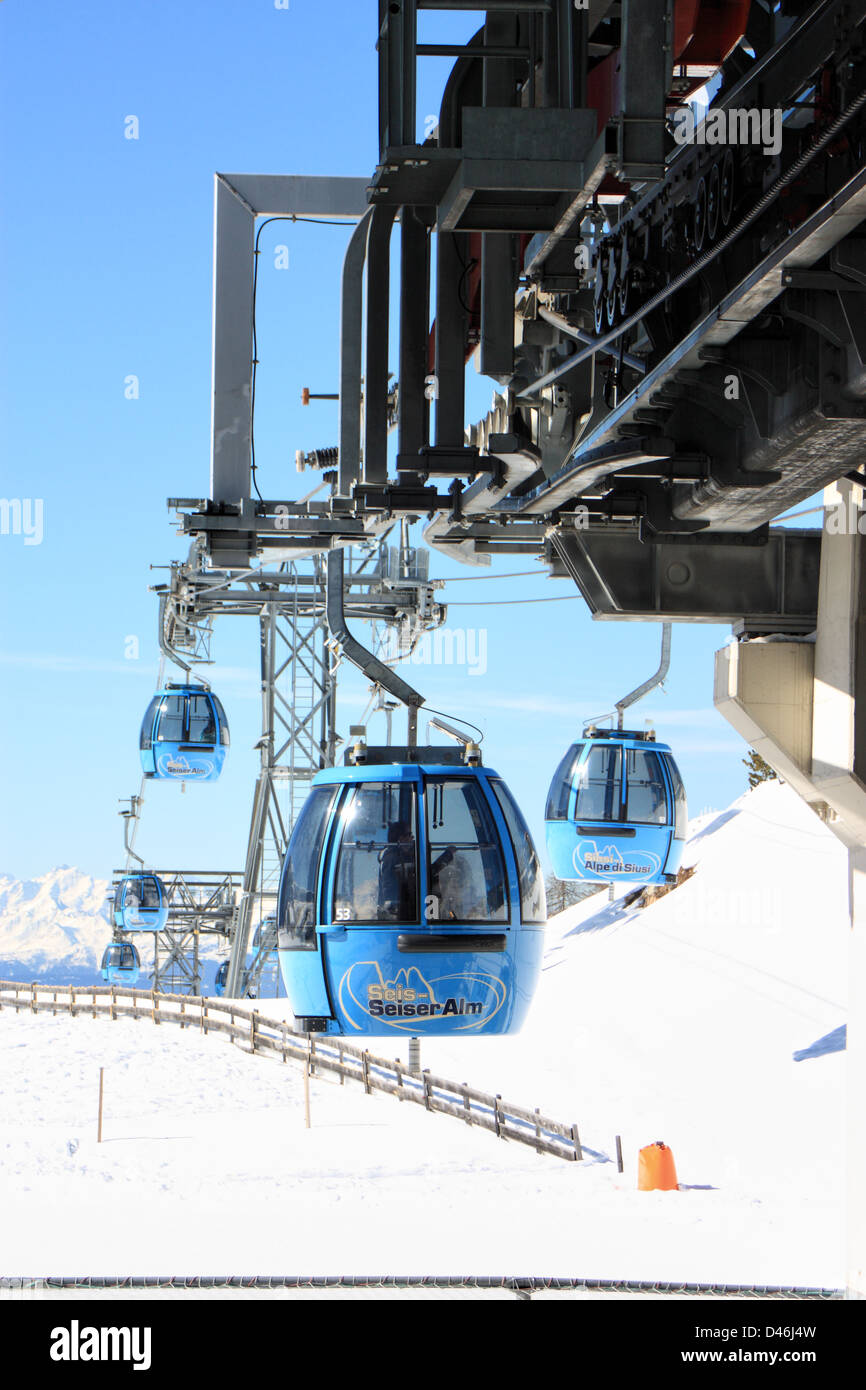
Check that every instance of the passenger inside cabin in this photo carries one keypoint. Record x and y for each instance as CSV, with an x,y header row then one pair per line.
x,y
458,884
398,891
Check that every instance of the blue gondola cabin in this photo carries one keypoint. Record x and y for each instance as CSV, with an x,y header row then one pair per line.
x,y
411,901
140,903
121,964
184,735
616,810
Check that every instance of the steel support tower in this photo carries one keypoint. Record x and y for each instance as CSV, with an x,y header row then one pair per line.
x,y
298,738
202,906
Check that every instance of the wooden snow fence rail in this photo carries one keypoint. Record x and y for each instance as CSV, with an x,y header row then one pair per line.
x,y
320,1053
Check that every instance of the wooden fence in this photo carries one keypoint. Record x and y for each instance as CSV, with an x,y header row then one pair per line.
x,y
319,1053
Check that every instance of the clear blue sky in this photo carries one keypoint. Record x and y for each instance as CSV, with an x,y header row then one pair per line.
x,y
105,272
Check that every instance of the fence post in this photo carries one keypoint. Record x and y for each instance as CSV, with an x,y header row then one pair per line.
x,y
619,1153
54,1004
578,1151
461,1090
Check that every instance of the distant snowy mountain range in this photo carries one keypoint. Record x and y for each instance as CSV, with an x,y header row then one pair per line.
x,y
53,928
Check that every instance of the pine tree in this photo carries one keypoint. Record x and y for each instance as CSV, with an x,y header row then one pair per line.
x,y
758,768
562,893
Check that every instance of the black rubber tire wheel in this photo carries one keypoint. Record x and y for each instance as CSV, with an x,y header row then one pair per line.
x,y
726,193
699,215
714,193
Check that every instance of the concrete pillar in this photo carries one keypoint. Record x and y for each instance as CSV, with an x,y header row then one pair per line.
x,y
838,730
838,733
856,1066
764,689
802,706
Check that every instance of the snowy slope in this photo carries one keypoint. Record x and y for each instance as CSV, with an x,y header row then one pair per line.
x,y
711,1019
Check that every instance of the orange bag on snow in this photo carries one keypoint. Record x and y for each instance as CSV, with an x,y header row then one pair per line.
x,y
656,1171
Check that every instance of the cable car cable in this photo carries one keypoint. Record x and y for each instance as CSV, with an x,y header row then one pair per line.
x,y
504,602
513,574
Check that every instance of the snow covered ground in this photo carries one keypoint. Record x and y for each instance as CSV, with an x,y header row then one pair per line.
x,y
712,1019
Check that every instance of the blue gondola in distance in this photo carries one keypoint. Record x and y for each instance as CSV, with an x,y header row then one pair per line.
x,y
265,931
184,735
220,978
140,903
121,964
616,810
411,900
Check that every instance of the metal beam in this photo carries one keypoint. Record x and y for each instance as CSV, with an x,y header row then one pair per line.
x,y
646,70
231,419
238,200
414,408
351,357
770,587
450,339
358,654
498,268
375,469
300,195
